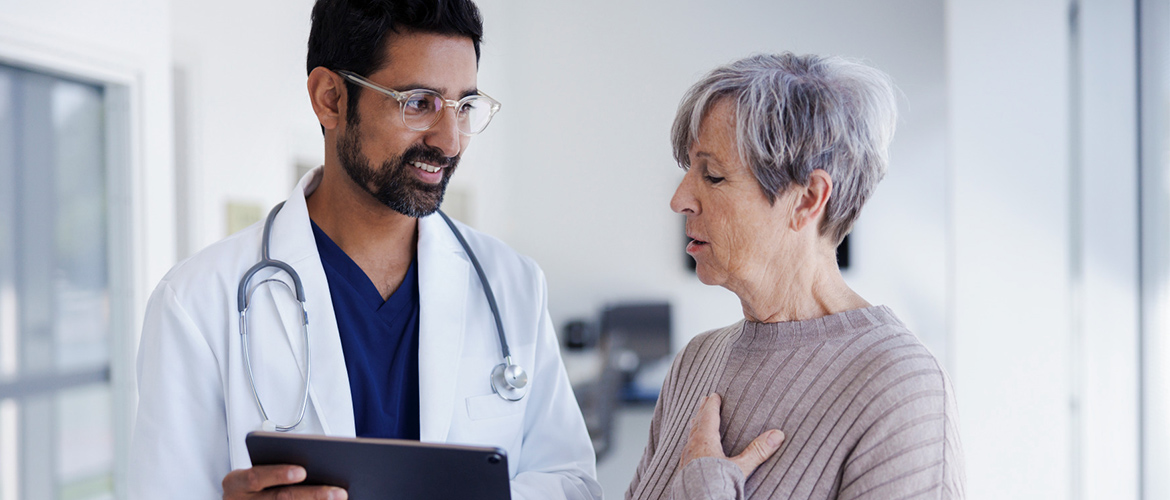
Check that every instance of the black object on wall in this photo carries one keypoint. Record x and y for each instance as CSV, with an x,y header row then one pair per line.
x,y
843,254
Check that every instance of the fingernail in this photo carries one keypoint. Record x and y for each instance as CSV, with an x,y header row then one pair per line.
x,y
775,438
338,494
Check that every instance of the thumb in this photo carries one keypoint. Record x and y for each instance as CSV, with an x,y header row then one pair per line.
x,y
758,451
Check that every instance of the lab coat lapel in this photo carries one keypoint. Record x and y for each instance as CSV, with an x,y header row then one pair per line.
x,y
443,287
293,242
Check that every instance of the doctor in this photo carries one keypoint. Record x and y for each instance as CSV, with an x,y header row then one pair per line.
x,y
401,339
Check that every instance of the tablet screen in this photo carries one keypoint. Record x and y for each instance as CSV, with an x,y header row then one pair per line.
x,y
388,468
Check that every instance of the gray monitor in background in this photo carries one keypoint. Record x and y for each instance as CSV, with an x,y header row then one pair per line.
x,y
643,328
637,336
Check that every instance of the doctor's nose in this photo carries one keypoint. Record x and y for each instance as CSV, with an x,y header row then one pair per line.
x,y
445,134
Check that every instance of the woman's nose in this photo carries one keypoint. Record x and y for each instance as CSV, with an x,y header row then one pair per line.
x,y
684,201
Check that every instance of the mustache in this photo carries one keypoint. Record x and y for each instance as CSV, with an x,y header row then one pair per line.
x,y
428,154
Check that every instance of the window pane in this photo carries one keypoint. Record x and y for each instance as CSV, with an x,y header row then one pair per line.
x,y
80,278
85,445
56,426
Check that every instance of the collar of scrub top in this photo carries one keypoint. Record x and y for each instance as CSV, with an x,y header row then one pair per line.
x,y
507,379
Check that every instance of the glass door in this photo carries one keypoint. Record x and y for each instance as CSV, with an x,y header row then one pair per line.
x,y
56,410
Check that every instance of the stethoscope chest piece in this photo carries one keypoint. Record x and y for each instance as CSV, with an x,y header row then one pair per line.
x,y
509,380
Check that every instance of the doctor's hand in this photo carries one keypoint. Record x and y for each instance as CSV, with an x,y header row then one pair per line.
x,y
704,440
251,483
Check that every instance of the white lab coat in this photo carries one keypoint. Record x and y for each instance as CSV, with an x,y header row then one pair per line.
x,y
196,405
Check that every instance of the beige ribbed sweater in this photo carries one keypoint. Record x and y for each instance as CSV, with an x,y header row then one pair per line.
x,y
866,410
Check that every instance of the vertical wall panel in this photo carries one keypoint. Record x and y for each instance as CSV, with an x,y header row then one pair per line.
x,y
1155,185
1008,83
1108,317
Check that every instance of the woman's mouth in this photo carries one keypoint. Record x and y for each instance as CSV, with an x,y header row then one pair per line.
x,y
695,246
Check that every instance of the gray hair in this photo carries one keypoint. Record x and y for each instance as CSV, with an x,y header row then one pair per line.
x,y
795,114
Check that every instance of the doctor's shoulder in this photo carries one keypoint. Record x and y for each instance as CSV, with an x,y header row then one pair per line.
x,y
206,281
495,254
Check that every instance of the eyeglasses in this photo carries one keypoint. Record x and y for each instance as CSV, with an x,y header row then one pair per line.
x,y
422,108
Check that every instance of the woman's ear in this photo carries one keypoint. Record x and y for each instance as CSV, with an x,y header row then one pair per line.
x,y
812,200
327,94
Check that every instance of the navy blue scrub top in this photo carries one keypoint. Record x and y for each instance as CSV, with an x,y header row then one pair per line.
x,y
380,342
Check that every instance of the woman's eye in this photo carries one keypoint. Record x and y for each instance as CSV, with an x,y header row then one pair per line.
x,y
712,179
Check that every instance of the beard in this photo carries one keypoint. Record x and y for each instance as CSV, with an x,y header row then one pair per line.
x,y
394,185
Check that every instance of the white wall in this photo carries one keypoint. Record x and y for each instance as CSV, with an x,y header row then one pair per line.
x,y
1106,334
1044,235
1009,137
590,90
124,43
1155,200
241,80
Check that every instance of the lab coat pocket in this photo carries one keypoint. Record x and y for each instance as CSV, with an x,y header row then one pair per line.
x,y
492,406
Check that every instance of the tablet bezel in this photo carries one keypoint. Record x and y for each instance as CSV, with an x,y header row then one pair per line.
x,y
377,468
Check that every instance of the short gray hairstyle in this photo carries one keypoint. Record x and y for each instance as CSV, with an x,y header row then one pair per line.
x,y
795,114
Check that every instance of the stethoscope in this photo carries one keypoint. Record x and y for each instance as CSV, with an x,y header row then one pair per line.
x,y
508,379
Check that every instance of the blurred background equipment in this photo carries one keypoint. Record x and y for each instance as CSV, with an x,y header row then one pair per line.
x,y
637,337
624,361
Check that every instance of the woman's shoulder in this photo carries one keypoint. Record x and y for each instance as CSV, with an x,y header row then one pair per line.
x,y
710,342
890,365
888,348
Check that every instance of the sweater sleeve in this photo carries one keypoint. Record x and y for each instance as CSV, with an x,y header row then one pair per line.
x,y
911,447
708,478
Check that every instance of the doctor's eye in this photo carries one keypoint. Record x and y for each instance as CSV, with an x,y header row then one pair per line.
x,y
420,104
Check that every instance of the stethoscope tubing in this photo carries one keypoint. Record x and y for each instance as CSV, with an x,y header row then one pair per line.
x,y
487,288
505,389
243,296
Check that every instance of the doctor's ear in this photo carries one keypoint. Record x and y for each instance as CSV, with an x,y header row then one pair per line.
x,y
327,93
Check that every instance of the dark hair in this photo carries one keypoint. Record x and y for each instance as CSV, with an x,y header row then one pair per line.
x,y
351,35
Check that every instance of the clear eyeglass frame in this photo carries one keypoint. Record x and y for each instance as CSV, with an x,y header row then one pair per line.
x,y
473,113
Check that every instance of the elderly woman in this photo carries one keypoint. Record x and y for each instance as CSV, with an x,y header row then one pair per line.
x,y
815,393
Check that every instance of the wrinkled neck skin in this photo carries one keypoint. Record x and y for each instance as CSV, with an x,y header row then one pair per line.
x,y
803,284
380,240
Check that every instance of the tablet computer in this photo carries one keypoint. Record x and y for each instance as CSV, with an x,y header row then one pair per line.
x,y
388,468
